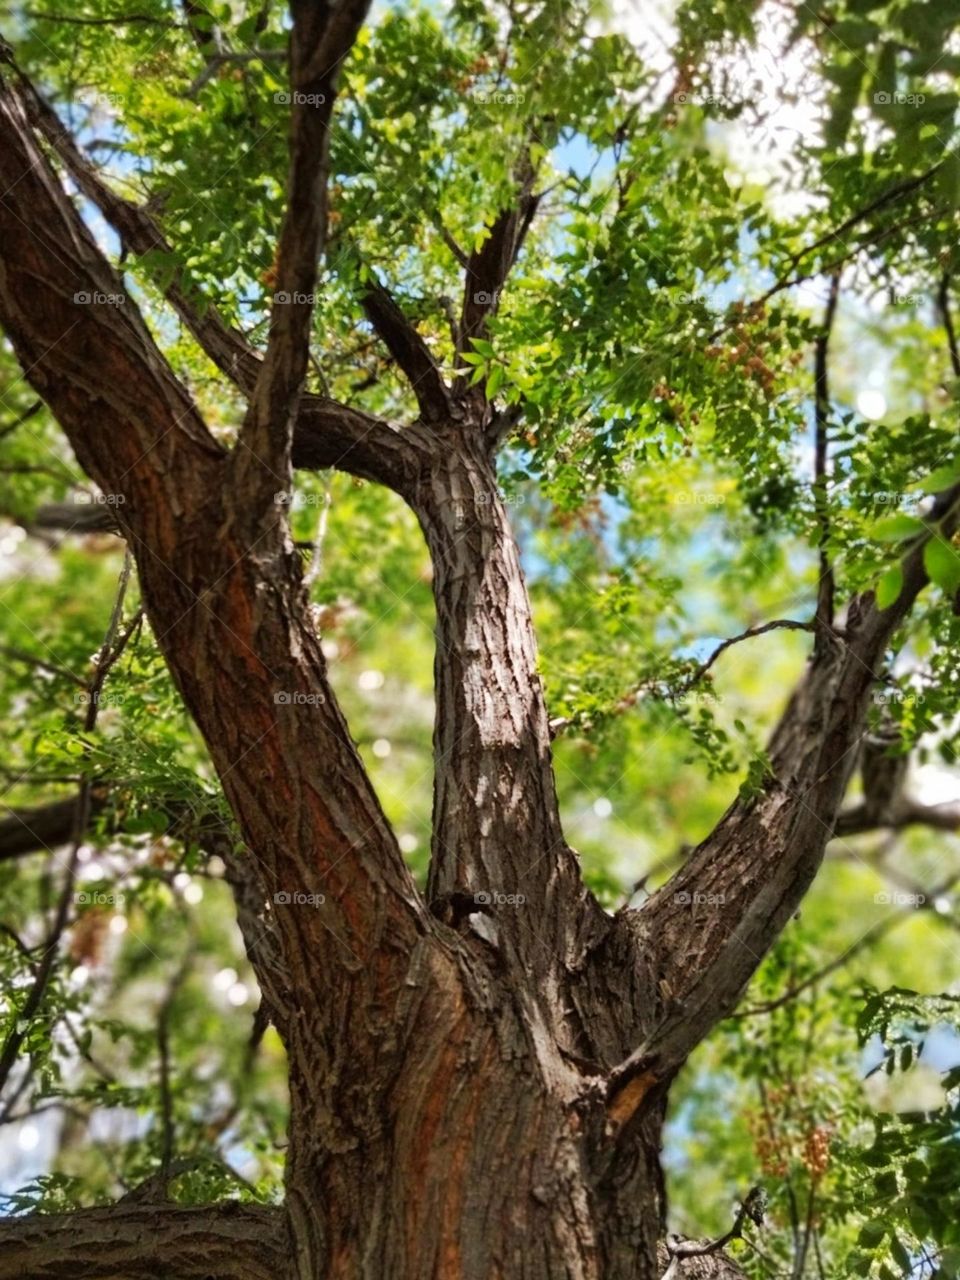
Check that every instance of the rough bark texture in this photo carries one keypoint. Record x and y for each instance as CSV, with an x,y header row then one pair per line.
x,y
478,1074
134,1241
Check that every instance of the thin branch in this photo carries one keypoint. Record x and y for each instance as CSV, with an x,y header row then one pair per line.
x,y
944,816
42,664
110,20
709,926
797,989
751,1209
821,481
21,419
885,198
779,624
17,941
460,254
166,1083
80,819
943,305
560,724
316,559
879,930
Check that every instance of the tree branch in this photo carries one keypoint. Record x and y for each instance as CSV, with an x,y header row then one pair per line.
x,y
50,826
86,348
489,266
409,350
110,650
904,813
778,624
943,306
323,34
224,594
141,1241
702,935
109,20
45,826
139,234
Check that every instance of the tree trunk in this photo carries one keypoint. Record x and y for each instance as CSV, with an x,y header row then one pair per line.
x,y
487,1155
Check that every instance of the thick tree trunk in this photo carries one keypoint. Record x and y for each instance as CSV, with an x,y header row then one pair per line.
x,y
487,1156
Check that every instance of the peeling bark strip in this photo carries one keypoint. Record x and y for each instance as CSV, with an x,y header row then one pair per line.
x,y
477,1086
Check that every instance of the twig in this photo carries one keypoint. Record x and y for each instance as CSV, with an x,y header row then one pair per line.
x,y
163,1045
22,655
874,932
800,1261
316,561
462,258
752,1207
561,723
23,417
115,19
787,624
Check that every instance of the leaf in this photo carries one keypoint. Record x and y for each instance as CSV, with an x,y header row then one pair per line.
x,y
886,77
896,528
871,1233
848,78
943,478
900,1254
889,587
948,179
494,381
942,564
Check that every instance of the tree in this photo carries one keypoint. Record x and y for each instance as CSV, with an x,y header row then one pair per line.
x,y
479,1063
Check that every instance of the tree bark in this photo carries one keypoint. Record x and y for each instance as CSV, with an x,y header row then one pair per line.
x,y
141,1241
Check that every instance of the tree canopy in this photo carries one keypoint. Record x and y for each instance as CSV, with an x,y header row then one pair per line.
x,y
699,263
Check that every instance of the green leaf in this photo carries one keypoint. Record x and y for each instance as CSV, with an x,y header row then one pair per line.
x,y
896,528
942,564
889,587
948,179
900,1254
943,478
871,1233
494,381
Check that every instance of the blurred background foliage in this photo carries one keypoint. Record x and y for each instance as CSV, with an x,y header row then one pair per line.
x,y
707,169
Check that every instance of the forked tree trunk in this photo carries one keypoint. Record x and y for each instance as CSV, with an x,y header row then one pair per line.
x,y
478,1074
487,1153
